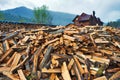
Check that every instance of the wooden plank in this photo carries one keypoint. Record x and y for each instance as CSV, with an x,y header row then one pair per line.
x,y
52,77
79,66
21,74
20,64
77,72
16,59
69,37
46,57
11,76
24,40
7,45
2,69
35,64
70,64
11,35
9,62
44,70
115,76
101,78
65,72
8,52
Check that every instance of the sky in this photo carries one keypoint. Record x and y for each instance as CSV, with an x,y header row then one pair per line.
x,y
107,10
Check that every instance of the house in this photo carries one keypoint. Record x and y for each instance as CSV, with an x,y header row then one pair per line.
x,y
86,19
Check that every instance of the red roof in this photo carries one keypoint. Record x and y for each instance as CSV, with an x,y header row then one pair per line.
x,y
84,17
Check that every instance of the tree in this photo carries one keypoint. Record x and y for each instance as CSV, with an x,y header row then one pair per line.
x,y
42,15
1,15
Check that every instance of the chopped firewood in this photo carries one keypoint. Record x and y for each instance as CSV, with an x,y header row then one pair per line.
x,y
46,57
24,40
11,59
69,37
8,52
77,72
7,44
101,78
44,70
115,76
11,76
79,66
20,64
70,64
16,59
11,35
52,77
35,64
2,69
63,52
65,72
21,75
101,41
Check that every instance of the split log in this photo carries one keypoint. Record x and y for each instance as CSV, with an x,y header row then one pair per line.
x,y
79,66
20,64
11,35
2,69
101,78
8,52
77,72
69,37
21,75
115,76
44,70
65,72
11,76
46,57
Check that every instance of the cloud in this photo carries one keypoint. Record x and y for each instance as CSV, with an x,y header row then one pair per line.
x,y
107,10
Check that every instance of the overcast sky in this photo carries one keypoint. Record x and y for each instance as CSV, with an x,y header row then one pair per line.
x,y
107,10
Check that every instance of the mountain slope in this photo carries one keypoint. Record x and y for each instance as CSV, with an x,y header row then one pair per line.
x,y
21,13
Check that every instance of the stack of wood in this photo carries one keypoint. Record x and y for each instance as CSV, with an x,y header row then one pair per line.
x,y
61,53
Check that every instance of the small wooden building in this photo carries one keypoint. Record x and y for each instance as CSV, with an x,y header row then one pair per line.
x,y
86,19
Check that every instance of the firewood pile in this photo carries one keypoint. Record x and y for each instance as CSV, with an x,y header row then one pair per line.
x,y
61,53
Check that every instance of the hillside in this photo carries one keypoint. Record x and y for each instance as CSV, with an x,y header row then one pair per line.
x,y
23,14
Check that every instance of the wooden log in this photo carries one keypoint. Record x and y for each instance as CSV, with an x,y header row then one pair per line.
x,y
46,57
20,64
113,70
2,69
11,76
70,64
93,40
35,64
69,37
9,62
24,40
44,70
77,72
115,76
101,78
108,52
16,59
21,74
52,77
79,66
65,72
11,35
100,41
8,52
7,45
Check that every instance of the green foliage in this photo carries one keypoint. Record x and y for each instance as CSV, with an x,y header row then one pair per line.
x,y
1,15
42,15
114,23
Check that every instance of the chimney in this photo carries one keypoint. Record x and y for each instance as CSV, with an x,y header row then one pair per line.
x,y
93,13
